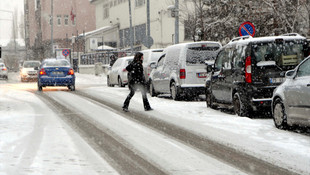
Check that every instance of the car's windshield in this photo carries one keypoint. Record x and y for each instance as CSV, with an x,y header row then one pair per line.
x,y
56,63
284,54
31,64
198,55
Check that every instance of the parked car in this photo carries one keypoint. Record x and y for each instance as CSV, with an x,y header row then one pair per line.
x,y
247,70
3,71
28,72
291,100
117,74
150,56
181,71
56,72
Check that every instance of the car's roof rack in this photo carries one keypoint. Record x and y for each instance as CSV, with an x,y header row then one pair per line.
x,y
291,34
241,38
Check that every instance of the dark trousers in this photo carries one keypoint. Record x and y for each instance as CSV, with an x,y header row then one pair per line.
x,y
133,89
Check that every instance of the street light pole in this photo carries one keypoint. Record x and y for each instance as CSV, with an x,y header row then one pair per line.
x,y
52,28
130,28
176,26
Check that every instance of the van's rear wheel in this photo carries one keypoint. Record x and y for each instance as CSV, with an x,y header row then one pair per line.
x,y
120,82
152,90
210,100
108,82
174,91
240,107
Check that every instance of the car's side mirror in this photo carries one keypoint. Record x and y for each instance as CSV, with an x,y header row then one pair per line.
x,y
36,68
153,65
209,68
290,74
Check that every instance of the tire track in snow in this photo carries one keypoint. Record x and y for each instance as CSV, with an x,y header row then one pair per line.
x,y
241,160
107,144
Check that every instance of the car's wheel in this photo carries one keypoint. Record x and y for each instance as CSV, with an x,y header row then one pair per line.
x,y
240,107
279,115
71,87
6,77
120,83
174,91
39,88
108,82
210,100
152,90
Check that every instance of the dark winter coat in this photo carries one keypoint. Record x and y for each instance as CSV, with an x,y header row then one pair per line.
x,y
135,73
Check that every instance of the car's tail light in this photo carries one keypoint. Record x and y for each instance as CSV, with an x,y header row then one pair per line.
x,y
248,70
4,68
42,72
182,74
70,72
124,70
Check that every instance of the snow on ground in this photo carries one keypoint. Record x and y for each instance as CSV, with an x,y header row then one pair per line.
x,y
20,111
256,136
33,140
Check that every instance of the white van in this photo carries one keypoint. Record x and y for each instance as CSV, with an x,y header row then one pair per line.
x,y
181,70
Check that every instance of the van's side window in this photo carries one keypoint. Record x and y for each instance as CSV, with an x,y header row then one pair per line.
x,y
161,61
228,58
239,56
219,61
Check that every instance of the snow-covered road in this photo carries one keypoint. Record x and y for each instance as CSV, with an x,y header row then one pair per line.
x,y
33,139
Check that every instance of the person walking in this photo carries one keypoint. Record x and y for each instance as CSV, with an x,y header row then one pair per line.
x,y
136,80
112,60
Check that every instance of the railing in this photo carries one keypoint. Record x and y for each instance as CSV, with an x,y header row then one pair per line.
x,y
101,57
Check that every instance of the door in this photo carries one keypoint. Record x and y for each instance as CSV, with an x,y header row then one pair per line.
x,y
220,88
298,94
157,73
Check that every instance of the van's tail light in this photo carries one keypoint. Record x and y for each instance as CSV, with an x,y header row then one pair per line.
x,y
248,70
182,74
70,72
42,72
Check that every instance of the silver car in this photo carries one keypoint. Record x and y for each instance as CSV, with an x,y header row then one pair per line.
x,y
291,100
117,74
3,71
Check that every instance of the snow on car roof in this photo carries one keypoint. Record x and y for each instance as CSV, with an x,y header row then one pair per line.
x,y
213,43
267,39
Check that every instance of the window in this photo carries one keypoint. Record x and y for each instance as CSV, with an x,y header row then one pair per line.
x,y
37,4
239,56
304,69
161,60
139,3
59,20
74,21
66,20
106,11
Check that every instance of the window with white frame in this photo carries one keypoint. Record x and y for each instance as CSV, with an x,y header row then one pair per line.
x,y
106,11
36,4
139,3
59,20
66,20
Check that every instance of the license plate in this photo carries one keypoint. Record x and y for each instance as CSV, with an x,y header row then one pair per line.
x,y
276,80
202,75
58,73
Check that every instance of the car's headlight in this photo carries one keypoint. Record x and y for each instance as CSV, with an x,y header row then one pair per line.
x,y
24,72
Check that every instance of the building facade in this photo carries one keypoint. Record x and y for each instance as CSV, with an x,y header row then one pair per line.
x,y
114,19
70,18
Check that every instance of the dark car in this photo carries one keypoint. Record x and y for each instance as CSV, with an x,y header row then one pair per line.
x,y
291,100
247,70
56,72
